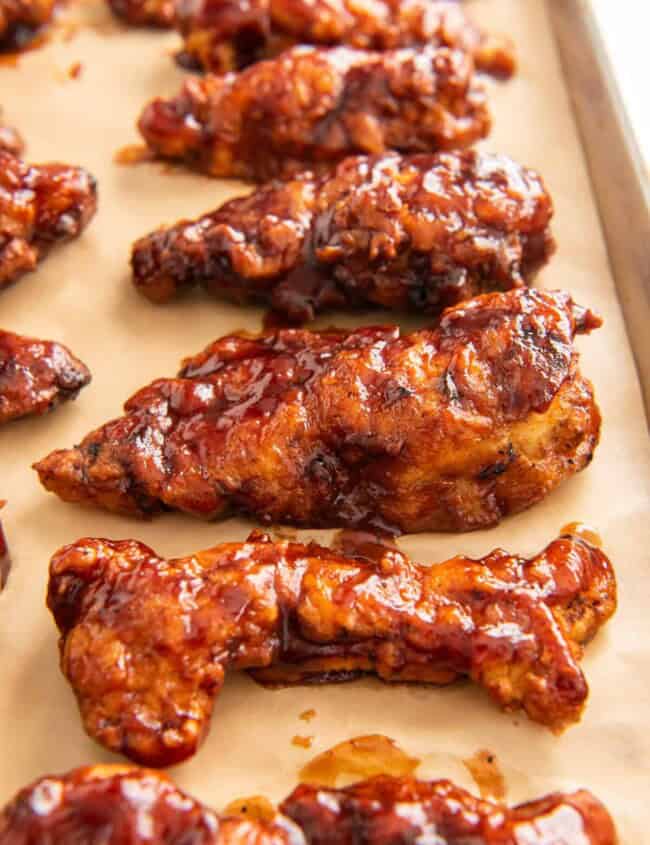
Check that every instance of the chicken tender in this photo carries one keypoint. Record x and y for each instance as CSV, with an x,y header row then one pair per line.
x,y
450,428
309,108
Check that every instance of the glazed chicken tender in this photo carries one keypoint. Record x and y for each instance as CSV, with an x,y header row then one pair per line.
x,y
449,428
40,206
226,35
106,802
146,642
21,20
418,232
309,108
36,376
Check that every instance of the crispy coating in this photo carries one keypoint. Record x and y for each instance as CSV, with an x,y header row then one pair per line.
x,y
36,376
123,805
145,642
402,811
227,35
309,108
446,429
422,232
155,13
21,20
40,206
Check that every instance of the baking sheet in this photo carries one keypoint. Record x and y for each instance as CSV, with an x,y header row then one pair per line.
x,y
82,296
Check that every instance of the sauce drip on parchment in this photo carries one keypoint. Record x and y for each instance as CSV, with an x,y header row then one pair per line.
x,y
583,532
307,715
486,774
255,807
359,758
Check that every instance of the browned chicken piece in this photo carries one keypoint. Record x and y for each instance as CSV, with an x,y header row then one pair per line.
x,y
404,811
40,206
122,805
107,803
156,13
422,232
309,108
227,35
445,429
36,376
21,20
146,642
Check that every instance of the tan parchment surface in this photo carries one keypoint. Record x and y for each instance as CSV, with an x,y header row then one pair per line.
x,y
81,296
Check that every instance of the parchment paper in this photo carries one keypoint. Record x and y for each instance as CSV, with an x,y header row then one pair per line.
x,y
81,296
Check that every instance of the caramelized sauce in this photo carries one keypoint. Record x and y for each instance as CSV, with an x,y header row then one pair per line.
x,y
359,758
133,154
367,545
278,320
5,561
310,671
255,807
308,715
583,532
303,741
486,774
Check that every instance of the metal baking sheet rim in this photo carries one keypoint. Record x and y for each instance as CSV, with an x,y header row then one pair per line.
x,y
610,147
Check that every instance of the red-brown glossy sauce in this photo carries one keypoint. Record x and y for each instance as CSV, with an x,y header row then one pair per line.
x,y
584,532
359,758
277,320
308,715
302,741
118,805
251,606
486,774
36,375
254,807
367,545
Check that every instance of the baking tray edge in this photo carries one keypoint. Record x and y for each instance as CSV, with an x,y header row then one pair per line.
x,y
616,166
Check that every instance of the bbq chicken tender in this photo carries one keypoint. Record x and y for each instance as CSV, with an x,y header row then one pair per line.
x,y
109,801
309,108
40,206
227,35
404,811
21,20
155,13
122,805
36,376
145,643
446,429
421,232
